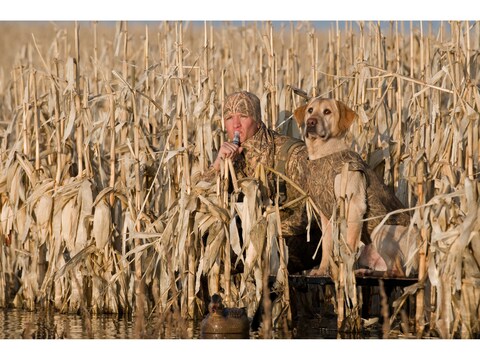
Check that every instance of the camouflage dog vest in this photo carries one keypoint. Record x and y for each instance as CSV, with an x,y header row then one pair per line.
x,y
380,199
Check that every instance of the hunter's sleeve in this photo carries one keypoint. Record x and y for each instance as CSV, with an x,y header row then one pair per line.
x,y
294,219
208,175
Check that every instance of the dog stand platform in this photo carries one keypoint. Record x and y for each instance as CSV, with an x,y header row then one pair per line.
x,y
366,282
361,280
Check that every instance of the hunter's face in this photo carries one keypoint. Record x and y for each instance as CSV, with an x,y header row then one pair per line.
x,y
244,124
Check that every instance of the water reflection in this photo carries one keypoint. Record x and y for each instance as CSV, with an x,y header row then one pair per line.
x,y
20,324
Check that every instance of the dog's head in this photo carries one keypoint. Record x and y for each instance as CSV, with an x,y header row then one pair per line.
x,y
324,119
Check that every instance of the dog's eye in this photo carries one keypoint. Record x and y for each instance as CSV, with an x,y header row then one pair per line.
x,y
310,110
326,112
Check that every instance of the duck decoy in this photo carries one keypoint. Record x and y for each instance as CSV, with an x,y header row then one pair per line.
x,y
223,322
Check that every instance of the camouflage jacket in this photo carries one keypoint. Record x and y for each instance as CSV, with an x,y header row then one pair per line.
x,y
265,147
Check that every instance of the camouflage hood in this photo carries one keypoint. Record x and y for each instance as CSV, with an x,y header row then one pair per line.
x,y
243,102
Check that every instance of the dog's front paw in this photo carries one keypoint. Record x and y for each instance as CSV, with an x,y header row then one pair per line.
x,y
321,271
380,265
370,258
363,272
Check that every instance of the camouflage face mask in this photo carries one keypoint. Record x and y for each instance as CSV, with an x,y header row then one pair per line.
x,y
242,102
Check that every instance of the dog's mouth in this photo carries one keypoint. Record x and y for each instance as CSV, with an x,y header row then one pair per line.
x,y
310,132
315,131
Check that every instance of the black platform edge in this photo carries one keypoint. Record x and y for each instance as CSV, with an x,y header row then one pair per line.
x,y
361,280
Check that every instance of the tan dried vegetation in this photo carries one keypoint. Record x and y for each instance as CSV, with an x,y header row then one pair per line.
x,y
102,127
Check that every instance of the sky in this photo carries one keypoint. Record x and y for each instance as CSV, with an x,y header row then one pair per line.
x,y
311,10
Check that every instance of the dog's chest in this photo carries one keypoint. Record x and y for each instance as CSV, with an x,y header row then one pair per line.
x,y
320,183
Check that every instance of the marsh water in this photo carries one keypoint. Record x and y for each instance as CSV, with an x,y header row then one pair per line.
x,y
313,317
22,324
18,324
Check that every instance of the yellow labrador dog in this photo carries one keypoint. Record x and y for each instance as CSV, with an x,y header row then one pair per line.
x,y
324,123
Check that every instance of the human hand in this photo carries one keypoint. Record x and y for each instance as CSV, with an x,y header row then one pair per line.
x,y
228,150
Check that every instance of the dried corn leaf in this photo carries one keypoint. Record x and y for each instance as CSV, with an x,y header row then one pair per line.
x,y
272,243
72,115
85,201
26,226
16,185
475,245
234,236
70,217
43,209
102,224
216,238
105,191
75,260
55,251
27,167
219,212
255,247
453,264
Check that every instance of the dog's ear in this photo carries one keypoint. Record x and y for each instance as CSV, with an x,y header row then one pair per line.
x,y
347,116
299,115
